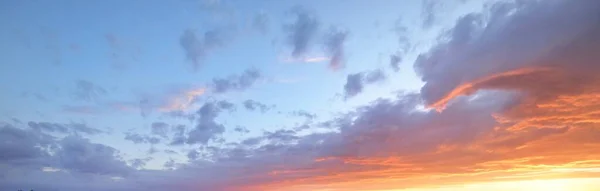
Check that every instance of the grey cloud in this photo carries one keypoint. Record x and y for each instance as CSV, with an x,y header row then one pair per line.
x,y
139,162
171,152
88,91
355,82
48,127
160,129
64,128
193,155
178,135
302,32
79,154
22,147
395,60
241,129
553,41
236,82
253,105
428,12
139,139
206,127
197,47
305,114
334,45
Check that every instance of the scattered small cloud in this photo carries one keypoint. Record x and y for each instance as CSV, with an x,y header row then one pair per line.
x,y
236,82
334,45
355,82
302,32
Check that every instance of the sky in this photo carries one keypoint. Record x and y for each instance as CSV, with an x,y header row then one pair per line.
x,y
317,95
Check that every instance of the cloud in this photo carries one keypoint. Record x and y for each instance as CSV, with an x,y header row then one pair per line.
x,y
141,139
74,128
241,129
182,101
178,135
88,91
302,32
305,114
483,52
79,154
197,47
160,129
395,60
22,147
334,45
206,127
252,105
260,22
428,13
509,106
355,82
236,82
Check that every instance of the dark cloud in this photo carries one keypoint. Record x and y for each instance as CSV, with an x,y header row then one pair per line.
x,y
206,127
255,105
141,139
75,128
88,91
355,82
302,32
79,154
334,45
197,47
482,51
236,82
160,129
22,147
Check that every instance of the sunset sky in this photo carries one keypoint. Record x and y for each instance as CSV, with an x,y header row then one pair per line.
x,y
317,95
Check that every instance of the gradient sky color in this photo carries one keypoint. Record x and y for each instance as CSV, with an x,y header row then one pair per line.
x,y
299,95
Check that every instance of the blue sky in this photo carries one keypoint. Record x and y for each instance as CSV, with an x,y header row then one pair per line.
x,y
168,87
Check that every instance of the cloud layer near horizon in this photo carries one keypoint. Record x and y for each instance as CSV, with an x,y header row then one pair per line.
x,y
508,92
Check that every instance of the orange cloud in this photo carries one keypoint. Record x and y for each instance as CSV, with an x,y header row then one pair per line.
x,y
182,101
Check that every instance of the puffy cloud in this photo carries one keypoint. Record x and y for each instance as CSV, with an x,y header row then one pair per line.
x,y
236,82
334,44
356,82
206,127
88,91
79,154
22,147
302,32
484,52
